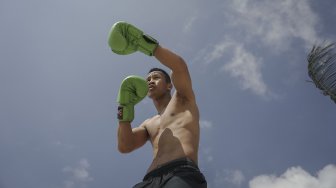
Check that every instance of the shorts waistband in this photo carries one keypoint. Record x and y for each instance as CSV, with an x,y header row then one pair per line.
x,y
169,166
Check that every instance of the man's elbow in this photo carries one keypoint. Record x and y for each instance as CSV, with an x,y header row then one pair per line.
x,y
181,65
124,149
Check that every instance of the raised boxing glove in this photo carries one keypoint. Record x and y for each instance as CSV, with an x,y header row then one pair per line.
x,y
132,90
125,38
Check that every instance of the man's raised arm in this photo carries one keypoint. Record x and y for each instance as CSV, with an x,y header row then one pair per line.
x,y
125,38
180,73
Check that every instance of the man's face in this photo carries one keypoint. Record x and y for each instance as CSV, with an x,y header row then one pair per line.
x,y
157,84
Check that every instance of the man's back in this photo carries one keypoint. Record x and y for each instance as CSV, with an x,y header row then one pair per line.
x,y
175,133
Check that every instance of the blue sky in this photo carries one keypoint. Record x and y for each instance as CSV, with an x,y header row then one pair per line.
x,y
262,124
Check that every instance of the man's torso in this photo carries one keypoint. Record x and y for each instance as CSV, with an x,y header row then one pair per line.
x,y
174,133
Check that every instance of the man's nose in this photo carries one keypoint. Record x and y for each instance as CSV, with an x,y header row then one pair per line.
x,y
150,82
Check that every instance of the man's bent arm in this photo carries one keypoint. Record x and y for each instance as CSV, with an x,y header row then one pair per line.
x,y
180,74
130,139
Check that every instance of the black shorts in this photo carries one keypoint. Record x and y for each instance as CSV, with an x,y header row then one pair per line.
x,y
180,173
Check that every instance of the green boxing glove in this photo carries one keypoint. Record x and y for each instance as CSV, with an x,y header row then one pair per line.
x,y
125,38
132,90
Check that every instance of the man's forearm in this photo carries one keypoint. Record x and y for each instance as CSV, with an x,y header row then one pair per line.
x,y
125,137
180,74
170,59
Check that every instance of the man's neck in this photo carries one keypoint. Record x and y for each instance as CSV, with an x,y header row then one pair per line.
x,y
161,103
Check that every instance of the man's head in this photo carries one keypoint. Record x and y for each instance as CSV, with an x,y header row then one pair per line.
x,y
166,75
159,83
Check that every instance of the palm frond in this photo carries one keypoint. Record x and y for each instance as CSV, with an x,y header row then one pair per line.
x,y
322,68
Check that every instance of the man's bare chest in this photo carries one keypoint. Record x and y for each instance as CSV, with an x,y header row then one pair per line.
x,y
169,122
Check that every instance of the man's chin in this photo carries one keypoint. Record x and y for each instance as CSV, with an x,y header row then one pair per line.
x,y
150,95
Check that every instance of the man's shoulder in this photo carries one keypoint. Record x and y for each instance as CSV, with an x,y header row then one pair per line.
x,y
149,121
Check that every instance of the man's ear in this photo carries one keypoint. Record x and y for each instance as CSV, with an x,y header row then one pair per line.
x,y
170,86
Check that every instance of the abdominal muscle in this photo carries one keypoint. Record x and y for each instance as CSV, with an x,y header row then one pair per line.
x,y
174,142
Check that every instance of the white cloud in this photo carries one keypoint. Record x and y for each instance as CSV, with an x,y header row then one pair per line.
x,y
243,65
232,177
275,23
206,155
206,152
189,23
296,177
218,51
205,124
79,174
269,27
246,67
63,145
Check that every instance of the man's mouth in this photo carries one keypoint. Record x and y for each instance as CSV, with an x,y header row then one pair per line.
x,y
150,87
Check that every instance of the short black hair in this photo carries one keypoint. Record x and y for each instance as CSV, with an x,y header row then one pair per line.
x,y
166,75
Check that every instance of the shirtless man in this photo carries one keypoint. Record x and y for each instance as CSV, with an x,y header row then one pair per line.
x,y
174,131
